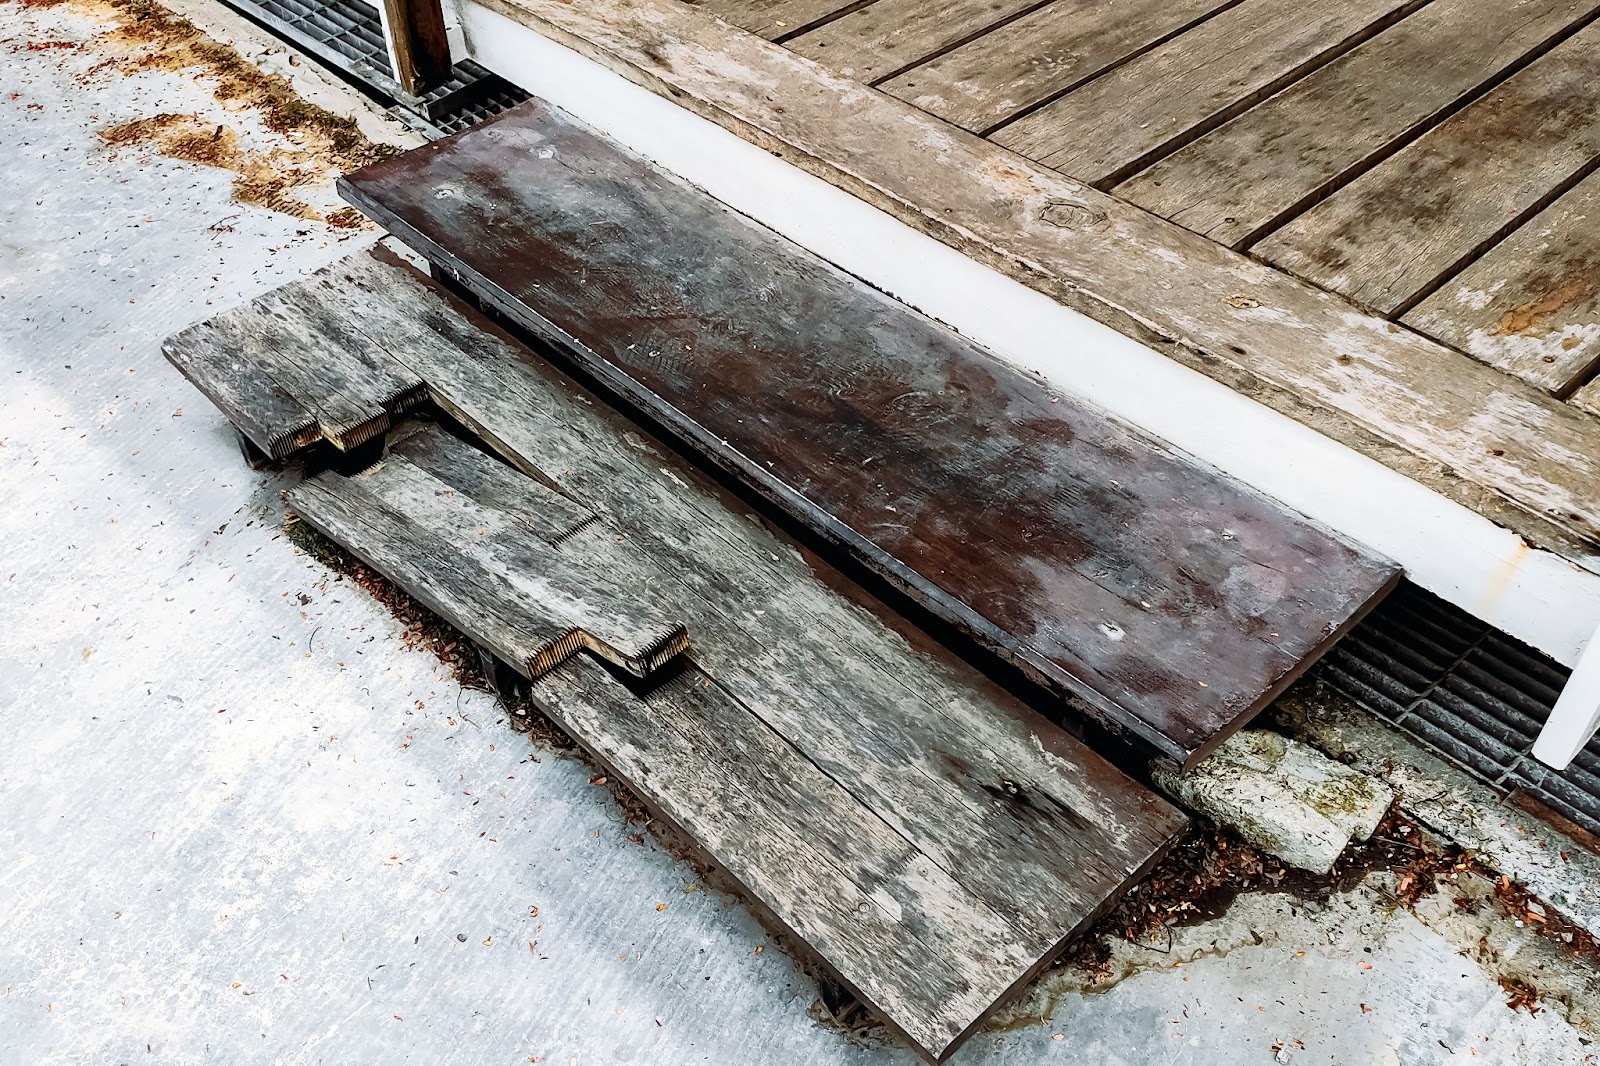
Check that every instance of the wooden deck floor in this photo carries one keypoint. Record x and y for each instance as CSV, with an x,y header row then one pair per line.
x,y
1433,162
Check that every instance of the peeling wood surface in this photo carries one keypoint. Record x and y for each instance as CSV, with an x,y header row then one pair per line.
x,y
1398,231
934,841
1044,53
1531,305
1494,444
1234,183
1111,126
1171,600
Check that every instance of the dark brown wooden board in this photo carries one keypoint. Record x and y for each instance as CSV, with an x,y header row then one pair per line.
x,y
1164,597
933,841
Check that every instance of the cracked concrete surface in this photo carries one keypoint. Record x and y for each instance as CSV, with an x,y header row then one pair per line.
x,y
241,822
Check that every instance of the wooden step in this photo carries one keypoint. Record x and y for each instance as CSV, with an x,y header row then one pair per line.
x,y
1152,591
930,839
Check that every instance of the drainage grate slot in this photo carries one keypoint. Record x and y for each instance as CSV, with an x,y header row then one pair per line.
x,y
1472,693
347,35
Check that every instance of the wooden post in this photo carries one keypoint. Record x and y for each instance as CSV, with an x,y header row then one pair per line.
x,y
419,52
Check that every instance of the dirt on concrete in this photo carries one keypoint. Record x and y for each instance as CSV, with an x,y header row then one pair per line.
x,y
306,144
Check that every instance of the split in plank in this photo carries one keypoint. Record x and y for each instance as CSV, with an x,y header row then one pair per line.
x,y
1396,233
933,841
1121,122
1290,150
1531,305
1165,598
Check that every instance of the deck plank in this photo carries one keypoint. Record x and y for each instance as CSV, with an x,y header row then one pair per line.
x,y
1049,51
770,19
1171,600
887,36
1238,180
1400,229
1531,305
1117,123
934,840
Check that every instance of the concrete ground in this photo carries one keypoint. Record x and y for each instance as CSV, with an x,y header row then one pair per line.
x,y
242,821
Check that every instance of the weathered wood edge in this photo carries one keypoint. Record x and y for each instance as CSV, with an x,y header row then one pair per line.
x,y
1532,468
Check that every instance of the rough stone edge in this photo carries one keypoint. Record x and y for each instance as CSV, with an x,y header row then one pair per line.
x,y
1449,802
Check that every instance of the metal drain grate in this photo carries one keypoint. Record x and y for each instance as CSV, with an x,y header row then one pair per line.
x,y
347,35
1470,692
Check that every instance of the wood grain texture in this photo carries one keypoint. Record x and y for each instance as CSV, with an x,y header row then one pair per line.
x,y
1117,123
889,35
770,18
932,839
286,373
1061,45
1175,603
1400,229
1481,438
418,44
562,606
1288,150
1531,305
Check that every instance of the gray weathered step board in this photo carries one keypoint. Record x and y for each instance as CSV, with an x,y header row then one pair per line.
x,y
1154,592
930,839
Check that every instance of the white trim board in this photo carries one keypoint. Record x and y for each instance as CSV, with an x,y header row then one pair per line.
x,y
1445,547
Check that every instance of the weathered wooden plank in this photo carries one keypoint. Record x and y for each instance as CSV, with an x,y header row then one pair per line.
x,y
932,839
448,585
1290,150
900,931
1045,53
887,36
1531,305
549,513
268,416
771,19
1464,429
562,607
284,355
1171,600
1399,230
1119,123
905,724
